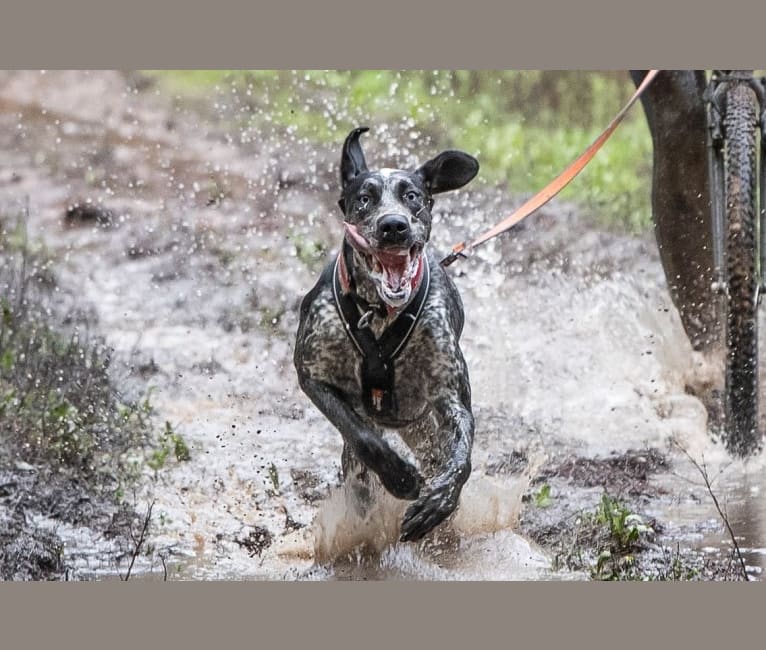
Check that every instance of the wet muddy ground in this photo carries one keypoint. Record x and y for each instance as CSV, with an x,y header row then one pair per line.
x,y
191,238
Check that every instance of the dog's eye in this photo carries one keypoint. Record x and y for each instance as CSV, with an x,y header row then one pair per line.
x,y
411,196
364,200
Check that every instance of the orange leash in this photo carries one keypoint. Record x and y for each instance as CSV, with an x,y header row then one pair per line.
x,y
555,186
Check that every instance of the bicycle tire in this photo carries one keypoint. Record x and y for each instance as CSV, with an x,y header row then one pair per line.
x,y
741,399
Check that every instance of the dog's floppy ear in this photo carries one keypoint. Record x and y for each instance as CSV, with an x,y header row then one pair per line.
x,y
352,160
448,171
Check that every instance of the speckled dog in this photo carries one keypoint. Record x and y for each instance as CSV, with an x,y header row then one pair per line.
x,y
378,340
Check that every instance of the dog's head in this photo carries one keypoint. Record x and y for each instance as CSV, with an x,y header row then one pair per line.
x,y
387,212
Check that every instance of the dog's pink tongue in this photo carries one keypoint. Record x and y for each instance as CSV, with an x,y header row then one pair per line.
x,y
355,238
394,267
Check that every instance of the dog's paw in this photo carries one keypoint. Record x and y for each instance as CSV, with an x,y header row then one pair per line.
x,y
401,478
429,511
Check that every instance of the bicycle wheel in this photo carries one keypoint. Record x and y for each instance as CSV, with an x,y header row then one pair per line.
x,y
742,434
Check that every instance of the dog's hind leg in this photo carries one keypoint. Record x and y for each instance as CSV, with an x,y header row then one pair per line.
x,y
358,480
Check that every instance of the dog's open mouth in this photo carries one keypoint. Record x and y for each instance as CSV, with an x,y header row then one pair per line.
x,y
391,269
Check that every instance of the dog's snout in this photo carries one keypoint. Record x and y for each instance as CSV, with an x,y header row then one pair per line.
x,y
393,229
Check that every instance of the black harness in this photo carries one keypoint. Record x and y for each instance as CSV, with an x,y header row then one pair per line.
x,y
378,355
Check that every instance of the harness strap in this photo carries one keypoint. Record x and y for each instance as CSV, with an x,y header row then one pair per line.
x,y
378,355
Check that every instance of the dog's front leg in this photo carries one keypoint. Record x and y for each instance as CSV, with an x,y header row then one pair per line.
x,y
439,501
398,476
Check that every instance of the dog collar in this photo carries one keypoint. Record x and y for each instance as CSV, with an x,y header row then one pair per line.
x,y
378,355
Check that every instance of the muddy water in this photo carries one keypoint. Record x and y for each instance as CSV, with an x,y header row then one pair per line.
x,y
573,346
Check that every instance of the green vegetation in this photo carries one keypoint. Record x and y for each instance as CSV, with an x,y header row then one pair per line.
x,y
169,442
312,254
524,127
543,496
620,533
58,404
606,542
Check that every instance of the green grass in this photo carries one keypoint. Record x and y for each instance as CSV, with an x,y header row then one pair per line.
x,y
524,127
58,401
169,442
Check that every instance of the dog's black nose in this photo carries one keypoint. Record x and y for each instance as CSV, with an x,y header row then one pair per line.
x,y
393,229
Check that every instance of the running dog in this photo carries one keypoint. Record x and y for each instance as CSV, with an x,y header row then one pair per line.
x,y
378,341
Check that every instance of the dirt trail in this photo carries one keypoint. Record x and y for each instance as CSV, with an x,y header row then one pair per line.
x,y
206,243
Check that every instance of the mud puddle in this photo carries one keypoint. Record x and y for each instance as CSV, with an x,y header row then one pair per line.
x,y
573,346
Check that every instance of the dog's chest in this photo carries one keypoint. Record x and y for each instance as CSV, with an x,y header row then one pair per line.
x,y
332,356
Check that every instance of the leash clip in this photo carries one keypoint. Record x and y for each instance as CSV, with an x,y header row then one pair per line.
x,y
452,258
